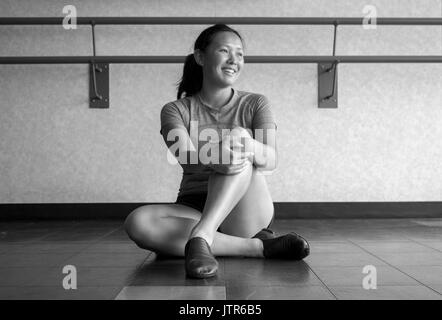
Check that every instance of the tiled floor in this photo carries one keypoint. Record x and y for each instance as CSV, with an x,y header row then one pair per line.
x,y
407,255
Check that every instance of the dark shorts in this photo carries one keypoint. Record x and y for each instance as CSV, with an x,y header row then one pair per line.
x,y
197,202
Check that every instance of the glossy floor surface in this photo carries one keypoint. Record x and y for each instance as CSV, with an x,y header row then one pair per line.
x,y
401,258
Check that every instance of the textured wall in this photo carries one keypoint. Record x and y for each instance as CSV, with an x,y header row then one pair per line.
x,y
383,143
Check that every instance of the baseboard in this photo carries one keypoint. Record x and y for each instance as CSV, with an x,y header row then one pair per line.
x,y
283,210
355,210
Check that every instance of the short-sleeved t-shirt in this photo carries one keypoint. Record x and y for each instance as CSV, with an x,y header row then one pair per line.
x,y
244,109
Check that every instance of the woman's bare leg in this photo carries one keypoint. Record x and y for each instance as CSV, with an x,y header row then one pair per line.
x,y
253,212
166,228
241,204
224,192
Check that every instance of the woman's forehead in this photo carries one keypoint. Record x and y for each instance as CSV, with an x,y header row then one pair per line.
x,y
227,38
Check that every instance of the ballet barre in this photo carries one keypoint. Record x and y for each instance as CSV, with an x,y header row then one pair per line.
x,y
327,65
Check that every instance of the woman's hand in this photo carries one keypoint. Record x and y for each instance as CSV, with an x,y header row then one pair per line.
x,y
232,158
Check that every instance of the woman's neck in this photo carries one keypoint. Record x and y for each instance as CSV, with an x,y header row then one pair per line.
x,y
215,97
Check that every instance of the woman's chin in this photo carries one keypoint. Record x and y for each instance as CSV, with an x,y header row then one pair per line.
x,y
228,82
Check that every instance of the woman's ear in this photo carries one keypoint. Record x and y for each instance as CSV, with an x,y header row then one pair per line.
x,y
198,55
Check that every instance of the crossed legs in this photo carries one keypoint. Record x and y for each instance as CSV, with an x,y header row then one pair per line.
x,y
240,204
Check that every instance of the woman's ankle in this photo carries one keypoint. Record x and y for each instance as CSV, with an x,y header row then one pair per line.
x,y
258,248
198,233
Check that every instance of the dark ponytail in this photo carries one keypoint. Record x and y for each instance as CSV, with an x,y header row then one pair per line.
x,y
192,80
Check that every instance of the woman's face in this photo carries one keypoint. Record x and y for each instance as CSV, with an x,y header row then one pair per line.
x,y
223,59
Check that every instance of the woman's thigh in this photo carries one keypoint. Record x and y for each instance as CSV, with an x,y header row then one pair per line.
x,y
253,212
157,220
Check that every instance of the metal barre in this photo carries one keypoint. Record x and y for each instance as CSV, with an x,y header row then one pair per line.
x,y
214,20
248,59
326,64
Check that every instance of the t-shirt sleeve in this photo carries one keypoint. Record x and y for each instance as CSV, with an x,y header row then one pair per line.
x,y
170,118
263,117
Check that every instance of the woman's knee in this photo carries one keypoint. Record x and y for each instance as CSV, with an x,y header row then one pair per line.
x,y
140,224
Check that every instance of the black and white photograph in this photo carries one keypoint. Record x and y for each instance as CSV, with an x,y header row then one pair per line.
x,y
221,154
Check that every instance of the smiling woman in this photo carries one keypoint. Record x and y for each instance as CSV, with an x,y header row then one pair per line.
x,y
223,207
225,61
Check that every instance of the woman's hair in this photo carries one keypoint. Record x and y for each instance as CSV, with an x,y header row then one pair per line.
x,y
192,79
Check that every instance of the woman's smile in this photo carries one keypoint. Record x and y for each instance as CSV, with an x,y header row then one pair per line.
x,y
229,71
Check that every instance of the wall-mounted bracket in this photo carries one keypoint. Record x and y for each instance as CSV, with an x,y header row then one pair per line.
x,y
99,85
327,85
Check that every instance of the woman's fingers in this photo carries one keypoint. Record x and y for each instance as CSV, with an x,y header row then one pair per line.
x,y
240,163
239,157
239,168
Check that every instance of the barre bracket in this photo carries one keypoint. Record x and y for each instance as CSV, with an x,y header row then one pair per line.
x,y
327,85
99,85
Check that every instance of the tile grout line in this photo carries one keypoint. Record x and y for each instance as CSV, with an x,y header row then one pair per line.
x,y
411,239
50,233
87,246
323,283
426,246
394,267
132,277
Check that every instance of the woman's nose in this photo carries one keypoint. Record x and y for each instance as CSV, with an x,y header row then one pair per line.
x,y
233,59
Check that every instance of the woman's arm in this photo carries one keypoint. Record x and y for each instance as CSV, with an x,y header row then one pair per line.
x,y
263,147
265,155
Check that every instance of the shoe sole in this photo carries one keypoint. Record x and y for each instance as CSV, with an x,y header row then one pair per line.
x,y
200,275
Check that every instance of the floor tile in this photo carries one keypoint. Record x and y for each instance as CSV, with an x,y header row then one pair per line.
x,y
435,245
375,241
75,236
154,260
379,237
114,247
107,259
117,235
343,260
425,274
333,247
34,259
23,276
427,235
437,287
353,276
58,293
50,247
322,237
10,247
173,275
396,247
89,277
278,293
252,272
21,236
429,222
172,293
386,293
412,258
